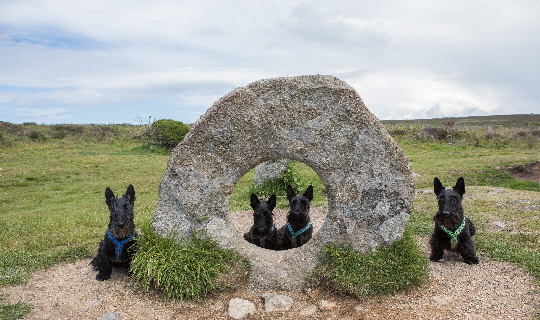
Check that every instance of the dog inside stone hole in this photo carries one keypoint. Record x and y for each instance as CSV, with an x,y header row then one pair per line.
x,y
269,179
296,232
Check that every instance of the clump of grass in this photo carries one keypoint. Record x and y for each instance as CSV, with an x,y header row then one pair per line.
x,y
190,270
383,271
13,311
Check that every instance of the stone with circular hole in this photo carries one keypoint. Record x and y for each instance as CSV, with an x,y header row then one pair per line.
x,y
318,120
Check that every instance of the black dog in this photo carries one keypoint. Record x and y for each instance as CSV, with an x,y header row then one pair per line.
x,y
453,231
114,249
298,229
263,233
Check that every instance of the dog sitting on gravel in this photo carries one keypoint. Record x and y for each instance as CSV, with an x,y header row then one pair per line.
x,y
115,250
298,229
453,231
263,233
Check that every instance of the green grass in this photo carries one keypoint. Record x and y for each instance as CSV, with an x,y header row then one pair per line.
x,y
13,311
52,200
190,270
383,271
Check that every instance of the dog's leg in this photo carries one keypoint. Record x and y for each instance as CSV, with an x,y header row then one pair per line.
x,y
103,265
437,250
468,252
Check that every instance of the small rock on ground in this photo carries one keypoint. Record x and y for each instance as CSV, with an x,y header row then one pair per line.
x,y
239,308
326,305
276,302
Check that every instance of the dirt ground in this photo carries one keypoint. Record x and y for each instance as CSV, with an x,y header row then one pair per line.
x,y
454,290
529,172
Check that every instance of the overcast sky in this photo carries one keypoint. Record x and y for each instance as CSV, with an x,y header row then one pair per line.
x,y
123,61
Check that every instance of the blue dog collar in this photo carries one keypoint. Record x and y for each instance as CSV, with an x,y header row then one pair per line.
x,y
118,245
297,233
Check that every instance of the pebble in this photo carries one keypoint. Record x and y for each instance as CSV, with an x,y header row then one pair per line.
x,y
309,310
239,308
326,305
110,316
276,302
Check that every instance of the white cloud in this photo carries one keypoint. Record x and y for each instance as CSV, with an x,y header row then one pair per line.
x,y
412,94
407,59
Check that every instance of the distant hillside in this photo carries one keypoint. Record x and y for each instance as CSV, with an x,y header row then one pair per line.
x,y
513,120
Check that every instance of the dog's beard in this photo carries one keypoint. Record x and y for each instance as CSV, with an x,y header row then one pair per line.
x,y
120,233
298,219
450,221
263,231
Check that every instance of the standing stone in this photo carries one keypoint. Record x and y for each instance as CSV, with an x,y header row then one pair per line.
x,y
318,120
239,308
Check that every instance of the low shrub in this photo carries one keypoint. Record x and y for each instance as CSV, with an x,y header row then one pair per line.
x,y
168,133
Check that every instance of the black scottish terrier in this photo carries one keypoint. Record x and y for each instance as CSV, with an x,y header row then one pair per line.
x,y
453,231
115,250
298,229
263,233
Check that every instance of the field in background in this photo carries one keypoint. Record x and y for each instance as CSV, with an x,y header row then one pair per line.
x,y
53,179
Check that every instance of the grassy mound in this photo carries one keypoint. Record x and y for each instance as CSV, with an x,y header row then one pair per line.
x,y
188,271
383,271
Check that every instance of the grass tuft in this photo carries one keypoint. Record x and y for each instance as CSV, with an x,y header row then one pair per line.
x,y
191,270
13,311
383,271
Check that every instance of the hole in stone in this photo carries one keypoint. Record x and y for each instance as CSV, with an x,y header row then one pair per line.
x,y
272,177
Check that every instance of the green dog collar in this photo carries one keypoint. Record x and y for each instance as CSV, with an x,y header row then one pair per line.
x,y
454,234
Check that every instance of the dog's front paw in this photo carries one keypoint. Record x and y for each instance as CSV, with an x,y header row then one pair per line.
x,y
102,277
473,260
435,258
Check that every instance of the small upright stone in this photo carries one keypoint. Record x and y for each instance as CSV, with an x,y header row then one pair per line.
x,y
269,170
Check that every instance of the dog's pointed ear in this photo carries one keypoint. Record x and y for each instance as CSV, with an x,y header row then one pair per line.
x,y
254,201
309,193
272,202
109,196
437,186
460,186
130,193
290,192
